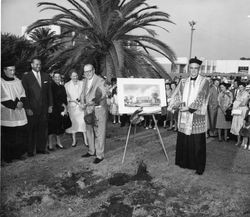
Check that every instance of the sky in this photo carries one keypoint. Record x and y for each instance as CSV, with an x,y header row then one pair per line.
x,y
222,29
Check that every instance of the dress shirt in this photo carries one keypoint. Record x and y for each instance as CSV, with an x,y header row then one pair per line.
x,y
38,77
89,82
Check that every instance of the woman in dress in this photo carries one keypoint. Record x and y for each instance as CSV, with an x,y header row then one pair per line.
x,y
174,113
225,99
114,107
165,112
74,89
245,130
59,106
239,105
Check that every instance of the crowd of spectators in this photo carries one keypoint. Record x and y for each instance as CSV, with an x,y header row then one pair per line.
x,y
227,113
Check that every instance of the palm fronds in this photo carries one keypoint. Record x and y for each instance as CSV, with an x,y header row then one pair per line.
x,y
102,32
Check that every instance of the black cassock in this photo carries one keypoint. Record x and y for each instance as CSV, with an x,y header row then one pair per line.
x,y
191,151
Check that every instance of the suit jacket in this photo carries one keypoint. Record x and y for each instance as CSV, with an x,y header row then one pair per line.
x,y
234,92
39,98
213,98
89,94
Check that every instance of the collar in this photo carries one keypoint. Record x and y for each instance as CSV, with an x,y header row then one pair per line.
x,y
6,78
34,72
194,79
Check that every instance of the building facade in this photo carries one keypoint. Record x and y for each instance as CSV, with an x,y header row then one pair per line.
x,y
208,66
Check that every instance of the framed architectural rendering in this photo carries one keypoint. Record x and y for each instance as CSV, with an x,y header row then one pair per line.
x,y
133,93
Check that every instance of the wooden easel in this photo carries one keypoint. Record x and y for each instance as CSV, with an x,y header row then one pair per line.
x,y
158,131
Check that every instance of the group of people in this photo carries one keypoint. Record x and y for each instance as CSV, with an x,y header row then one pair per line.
x,y
33,111
37,105
208,107
228,110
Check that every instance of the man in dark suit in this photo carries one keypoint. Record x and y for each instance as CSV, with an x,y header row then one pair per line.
x,y
39,104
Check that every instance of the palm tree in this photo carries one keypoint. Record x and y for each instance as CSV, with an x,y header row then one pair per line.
x,y
102,32
16,49
46,44
44,39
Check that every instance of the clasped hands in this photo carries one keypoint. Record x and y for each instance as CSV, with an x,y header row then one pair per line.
x,y
184,109
83,106
29,112
19,105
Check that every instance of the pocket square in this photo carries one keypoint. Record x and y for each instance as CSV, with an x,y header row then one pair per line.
x,y
45,82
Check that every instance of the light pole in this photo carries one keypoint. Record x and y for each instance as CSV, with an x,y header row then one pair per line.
x,y
191,23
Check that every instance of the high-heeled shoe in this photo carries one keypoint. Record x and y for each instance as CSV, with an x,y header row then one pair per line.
x,y
59,146
74,144
237,144
51,149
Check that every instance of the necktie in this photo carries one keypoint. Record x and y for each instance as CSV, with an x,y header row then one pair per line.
x,y
38,78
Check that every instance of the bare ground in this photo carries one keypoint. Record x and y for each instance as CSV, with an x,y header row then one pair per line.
x,y
64,184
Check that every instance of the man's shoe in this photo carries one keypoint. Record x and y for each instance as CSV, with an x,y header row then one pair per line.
x,y
198,172
30,155
88,155
97,160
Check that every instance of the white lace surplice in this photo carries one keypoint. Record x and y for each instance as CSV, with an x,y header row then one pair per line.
x,y
10,90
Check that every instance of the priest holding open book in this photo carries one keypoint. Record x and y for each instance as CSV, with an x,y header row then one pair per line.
x,y
191,97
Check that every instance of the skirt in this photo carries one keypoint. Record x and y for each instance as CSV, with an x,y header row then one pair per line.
x,y
221,122
77,118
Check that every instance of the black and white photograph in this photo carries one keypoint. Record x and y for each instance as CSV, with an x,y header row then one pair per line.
x,y
125,108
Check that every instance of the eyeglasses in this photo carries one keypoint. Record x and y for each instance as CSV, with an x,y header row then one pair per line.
x,y
88,71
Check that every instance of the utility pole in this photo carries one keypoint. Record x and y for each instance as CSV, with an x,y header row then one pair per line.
x,y
191,23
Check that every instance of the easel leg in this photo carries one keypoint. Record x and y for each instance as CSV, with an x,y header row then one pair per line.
x,y
125,149
162,144
134,133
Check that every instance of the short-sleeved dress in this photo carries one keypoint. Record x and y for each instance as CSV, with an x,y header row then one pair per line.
x,y
114,105
76,114
246,130
224,101
241,104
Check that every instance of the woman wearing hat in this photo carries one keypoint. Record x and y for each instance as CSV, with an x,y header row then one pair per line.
x,y
225,100
239,111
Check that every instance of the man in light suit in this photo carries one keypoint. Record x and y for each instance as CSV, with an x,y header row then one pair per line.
x,y
96,133
39,104
213,107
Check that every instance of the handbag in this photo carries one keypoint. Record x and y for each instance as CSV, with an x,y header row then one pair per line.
x,y
164,110
236,112
228,115
90,118
66,122
244,131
